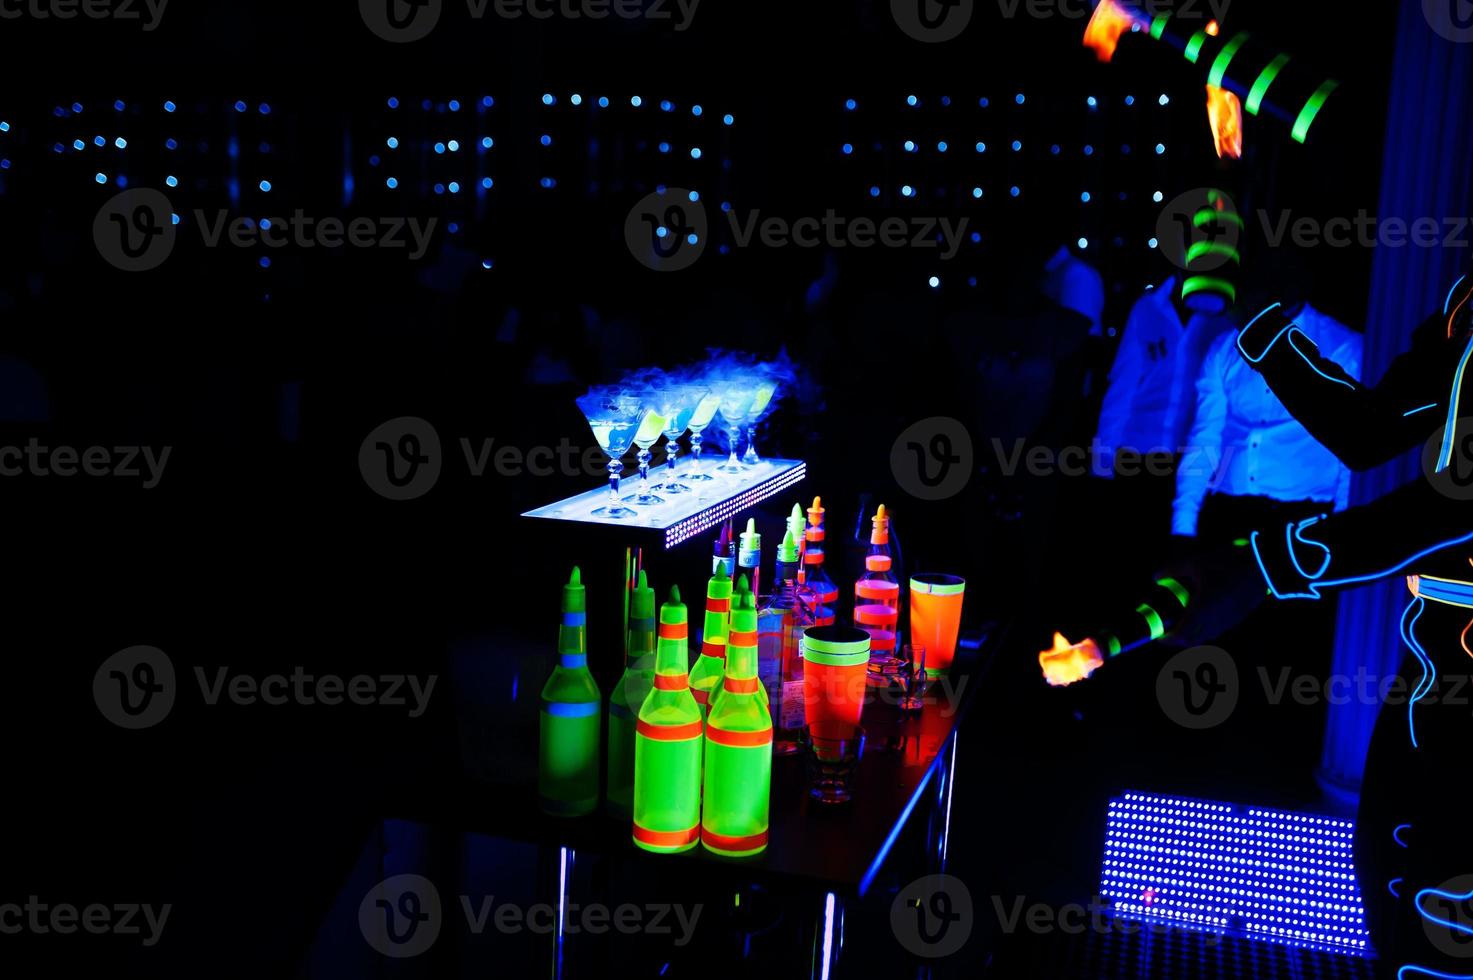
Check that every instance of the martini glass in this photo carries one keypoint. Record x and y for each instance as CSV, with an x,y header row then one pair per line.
x,y
613,415
651,426
705,412
678,404
763,402
737,395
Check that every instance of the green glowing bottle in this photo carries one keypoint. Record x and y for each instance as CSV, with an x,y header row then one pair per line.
x,y
706,672
624,702
738,769
567,753
667,745
720,691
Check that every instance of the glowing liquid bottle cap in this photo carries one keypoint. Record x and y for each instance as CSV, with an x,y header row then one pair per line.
x,y
750,544
575,598
881,532
787,552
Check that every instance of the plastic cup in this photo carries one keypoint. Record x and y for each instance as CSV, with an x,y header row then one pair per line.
x,y
936,618
835,669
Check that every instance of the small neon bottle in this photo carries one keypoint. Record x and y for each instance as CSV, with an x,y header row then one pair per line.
x,y
625,701
816,577
567,751
667,745
706,672
724,555
780,627
749,555
737,775
877,593
720,691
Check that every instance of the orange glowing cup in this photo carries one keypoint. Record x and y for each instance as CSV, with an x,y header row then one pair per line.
x,y
835,668
936,618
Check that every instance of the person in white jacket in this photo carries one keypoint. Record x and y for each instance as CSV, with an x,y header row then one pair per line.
x,y
1246,458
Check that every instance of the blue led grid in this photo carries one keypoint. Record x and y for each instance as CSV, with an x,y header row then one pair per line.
x,y
1247,871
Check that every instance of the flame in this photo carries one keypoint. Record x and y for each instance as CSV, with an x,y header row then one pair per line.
x,y
1069,663
1212,28
1225,113
1109,21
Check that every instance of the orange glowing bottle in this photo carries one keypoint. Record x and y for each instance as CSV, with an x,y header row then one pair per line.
x,y
877,593
813,575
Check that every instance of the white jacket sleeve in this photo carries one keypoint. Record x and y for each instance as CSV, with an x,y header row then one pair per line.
x,y
1204,448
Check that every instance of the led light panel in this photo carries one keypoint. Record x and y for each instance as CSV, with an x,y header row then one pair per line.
x,y
1246,871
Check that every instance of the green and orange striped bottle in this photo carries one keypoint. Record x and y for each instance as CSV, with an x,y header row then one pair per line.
x,y
706,672
742,589
737,776
667,745
567,751
624,702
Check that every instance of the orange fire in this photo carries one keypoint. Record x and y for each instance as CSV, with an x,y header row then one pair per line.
x,y
1069,663
1108,23
1213,28
1225,113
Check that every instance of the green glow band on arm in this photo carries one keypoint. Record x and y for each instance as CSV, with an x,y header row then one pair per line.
x,y
1311,109
1158,26
1200,284
1194,46
1265,79
1207,216
1112,645
1153,619
1200,249
1224,57
1177,589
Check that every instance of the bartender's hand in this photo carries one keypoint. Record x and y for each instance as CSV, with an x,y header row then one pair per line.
x,y
1225,585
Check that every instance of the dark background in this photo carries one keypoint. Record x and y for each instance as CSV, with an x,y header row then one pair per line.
x,y
263,547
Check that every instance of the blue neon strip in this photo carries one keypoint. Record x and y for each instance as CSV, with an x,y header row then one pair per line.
x,y
1415,411
1446,591
874,868
1301,333
574,618
1447,306
1356,580
1408,971
573,660
1391,887
1452,896
1445,457
1396,834
563,709
1263,570
1409,636
1296,533
1244,332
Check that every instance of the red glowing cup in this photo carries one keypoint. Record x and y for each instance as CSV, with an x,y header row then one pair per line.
x,y
835,668
936,618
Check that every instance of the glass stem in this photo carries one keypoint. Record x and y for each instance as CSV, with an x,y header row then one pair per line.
x,y
644,470
672,449
736,439
750,457
695,451
615,468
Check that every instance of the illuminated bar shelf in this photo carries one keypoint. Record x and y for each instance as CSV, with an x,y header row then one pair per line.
x,y
684,516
